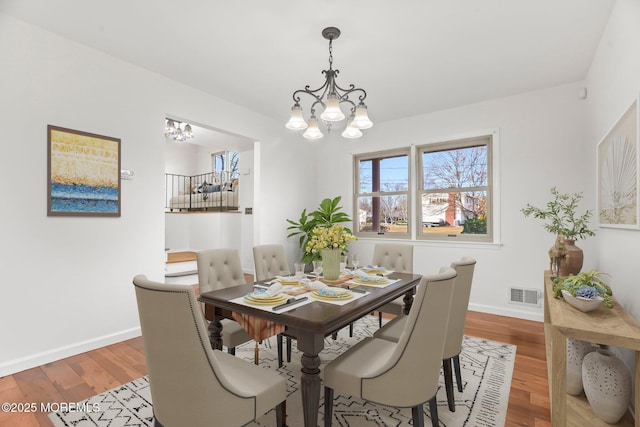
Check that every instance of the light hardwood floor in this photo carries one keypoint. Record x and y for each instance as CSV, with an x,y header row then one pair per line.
x,y
87,374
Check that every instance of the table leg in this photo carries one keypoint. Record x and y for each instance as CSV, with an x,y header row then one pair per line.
x,y
559,378
215,333
408,300
310,388
310,345
637,388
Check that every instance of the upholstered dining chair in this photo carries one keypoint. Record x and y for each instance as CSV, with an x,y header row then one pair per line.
x,y
455,333
396,257
405,373
191,384
219,269
270,261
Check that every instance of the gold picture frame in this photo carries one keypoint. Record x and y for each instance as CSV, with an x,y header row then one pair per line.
x,y
83,173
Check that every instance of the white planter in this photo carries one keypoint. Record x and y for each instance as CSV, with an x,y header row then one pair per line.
x,y
582,304
607,384
576,351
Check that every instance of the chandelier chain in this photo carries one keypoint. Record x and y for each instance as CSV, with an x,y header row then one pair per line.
x,y
331,54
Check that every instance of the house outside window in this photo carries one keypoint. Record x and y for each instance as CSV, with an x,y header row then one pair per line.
x,y
454,190
382,200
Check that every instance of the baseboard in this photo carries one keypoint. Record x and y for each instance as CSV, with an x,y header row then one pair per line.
x,y
501,311
18,365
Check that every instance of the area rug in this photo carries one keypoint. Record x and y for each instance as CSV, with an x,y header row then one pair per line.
x,y
487,368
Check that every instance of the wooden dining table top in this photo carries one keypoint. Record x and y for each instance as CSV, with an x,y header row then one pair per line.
x,y
316,317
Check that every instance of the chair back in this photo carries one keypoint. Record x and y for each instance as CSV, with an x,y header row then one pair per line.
x,y
396,257
410,376
269,261
219,269
459,306
188,385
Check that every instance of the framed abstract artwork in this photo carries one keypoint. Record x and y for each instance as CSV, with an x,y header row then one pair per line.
x,y
617,165
83,173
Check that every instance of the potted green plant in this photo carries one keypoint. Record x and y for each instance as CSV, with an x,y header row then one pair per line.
x,y
563,221
328,213
586,291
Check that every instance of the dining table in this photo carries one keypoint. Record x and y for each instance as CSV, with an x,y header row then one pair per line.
x,y
309,323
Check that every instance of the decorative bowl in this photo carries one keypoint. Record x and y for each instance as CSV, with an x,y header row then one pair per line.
x,y
583,304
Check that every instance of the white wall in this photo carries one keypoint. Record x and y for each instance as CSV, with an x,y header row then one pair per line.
x,y
181,158
613,84
66,282
538,131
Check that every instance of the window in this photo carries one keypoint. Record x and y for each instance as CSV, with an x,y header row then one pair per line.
x,y
454,190
225,163
382,199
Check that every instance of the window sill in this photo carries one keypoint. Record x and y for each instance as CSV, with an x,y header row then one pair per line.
x,y
437,243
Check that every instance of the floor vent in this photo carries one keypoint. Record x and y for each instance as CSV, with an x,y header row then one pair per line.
x,y
525,296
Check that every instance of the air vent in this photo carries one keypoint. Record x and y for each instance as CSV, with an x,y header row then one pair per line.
x,y
525,296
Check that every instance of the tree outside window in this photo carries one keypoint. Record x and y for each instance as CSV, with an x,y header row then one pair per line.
x,y
455,190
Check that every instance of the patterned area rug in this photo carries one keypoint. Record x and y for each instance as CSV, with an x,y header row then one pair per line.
x,y
487,367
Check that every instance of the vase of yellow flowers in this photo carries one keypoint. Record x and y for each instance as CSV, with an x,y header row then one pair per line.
x,y
330,242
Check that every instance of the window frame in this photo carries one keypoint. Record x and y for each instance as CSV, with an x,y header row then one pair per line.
x,y
226,173
487,139
357,158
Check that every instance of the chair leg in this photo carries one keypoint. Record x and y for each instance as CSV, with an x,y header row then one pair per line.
x,y
328,406
379,319
418,416
288,350
448,383
256,355
231,351
334,336
279,345
350,330
456,367
281,414
433,408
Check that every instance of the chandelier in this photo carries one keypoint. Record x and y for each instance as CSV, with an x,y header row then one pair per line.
x,y
175,129
331,97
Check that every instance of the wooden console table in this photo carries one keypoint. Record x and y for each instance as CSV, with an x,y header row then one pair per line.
x,y
613,327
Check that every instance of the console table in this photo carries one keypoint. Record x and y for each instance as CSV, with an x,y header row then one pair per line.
x,y
613,327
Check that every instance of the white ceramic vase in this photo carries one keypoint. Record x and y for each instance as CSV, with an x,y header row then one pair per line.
x,y
576,351
607,384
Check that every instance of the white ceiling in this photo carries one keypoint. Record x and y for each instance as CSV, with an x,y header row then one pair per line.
x,y
411,56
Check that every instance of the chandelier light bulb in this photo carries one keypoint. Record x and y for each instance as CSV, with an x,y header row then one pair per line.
x,y
361,120
296,120
351,132
332,113
188,133
170,127
313,131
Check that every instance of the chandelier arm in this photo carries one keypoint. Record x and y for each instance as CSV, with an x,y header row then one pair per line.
x,y
348,101
352,89
318,98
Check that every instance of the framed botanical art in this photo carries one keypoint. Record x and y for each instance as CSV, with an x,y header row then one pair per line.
x,y
617,165
83,173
